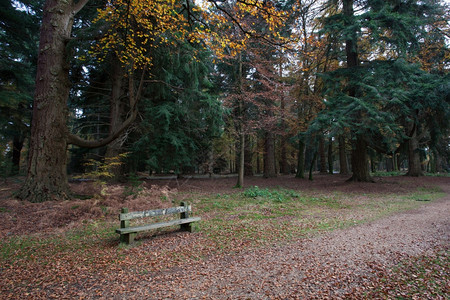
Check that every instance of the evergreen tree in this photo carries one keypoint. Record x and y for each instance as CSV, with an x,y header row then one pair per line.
x,y
366,96
18,47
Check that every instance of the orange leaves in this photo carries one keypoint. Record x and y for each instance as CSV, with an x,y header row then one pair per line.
x,y
135,27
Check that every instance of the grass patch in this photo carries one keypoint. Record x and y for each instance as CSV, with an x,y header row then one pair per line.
x,y
254,217
260,216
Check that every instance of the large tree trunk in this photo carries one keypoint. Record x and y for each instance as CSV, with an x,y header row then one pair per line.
x,y
117,110
46,175
414,165
301,159
360,162
343,162
269,156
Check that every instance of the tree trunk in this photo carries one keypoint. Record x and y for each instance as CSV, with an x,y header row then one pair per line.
x,y
414,165
323,162
248,156
241,166
343,162
311,167
269,156
17,148
330,156
301,159
46,174
284,166
360,163
114,148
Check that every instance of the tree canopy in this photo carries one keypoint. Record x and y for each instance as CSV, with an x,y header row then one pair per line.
x,y
221,86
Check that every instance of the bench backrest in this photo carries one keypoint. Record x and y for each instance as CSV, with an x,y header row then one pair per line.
x,y
124,216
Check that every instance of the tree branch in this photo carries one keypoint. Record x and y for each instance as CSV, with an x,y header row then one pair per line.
x,y
79,6
78,141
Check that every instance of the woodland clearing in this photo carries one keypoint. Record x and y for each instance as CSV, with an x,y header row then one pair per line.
x,y
279,238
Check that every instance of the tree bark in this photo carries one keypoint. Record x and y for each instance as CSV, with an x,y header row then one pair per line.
x,y
269,156
301,159
414,165
360,162
248,156
284,166
330,156
311,167
18,142
46,174
343,162
241,166
117,110
323,161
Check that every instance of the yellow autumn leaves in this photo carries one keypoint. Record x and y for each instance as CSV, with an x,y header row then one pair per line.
x,y
135,27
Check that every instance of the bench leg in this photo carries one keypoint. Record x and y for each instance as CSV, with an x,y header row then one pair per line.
x,y
127,238
186,227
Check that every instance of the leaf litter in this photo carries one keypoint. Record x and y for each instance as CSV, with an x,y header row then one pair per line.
x,y
402,255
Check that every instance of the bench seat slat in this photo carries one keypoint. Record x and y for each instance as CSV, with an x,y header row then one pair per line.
x,y
156,225
153,213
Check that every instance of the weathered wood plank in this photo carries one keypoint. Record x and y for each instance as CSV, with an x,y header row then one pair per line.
x,y
156,225
154,212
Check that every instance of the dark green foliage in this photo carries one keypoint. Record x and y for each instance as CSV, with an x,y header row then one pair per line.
x,y
18,47
378,98
180,113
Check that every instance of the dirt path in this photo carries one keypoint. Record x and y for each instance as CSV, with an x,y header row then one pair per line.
x,y
333,265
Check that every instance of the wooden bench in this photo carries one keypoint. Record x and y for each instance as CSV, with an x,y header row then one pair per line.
x,y
128,233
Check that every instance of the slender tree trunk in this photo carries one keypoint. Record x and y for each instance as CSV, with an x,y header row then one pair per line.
x,y
269,156
248,156
330,156
394,161
360,162
241,166
284,166
414,165
301,159
323,161
258,162
311,167
437,161
46,175
343,162
18,142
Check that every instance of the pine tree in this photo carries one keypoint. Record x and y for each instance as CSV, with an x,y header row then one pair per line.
x,y
368,93
18,47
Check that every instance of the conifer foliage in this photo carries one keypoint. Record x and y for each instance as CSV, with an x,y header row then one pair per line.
x,y
221,86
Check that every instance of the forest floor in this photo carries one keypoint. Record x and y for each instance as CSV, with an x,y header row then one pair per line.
x,y
280,238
